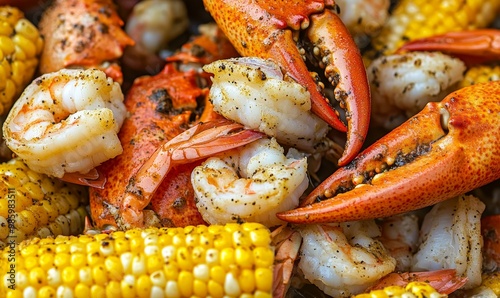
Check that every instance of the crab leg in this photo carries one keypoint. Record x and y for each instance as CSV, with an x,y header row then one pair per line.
x,y
473,46
448,149
270,29
198,142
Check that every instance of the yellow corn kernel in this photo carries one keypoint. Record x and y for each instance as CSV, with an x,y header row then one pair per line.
x,y
481,74
492,281
113,289
215,289
82,291
200,288
70,276
20,47
412,289
143,286
93,265
46,292
38,205
413,19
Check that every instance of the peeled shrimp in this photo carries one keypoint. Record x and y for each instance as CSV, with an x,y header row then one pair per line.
x,y
400,238
451,239
402,85
251,183
253,92
343,259
154,23
66,122
363,18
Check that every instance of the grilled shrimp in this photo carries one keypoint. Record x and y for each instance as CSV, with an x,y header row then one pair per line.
x,y
253,92
251,183
343,259
450,238
402,85
66,122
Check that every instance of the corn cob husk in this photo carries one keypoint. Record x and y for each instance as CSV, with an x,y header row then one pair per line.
x,y
33,204
20,48
234,260
413,289
414,19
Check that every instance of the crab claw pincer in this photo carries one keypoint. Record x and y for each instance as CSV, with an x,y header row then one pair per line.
x,y
447,149
301,34
471,46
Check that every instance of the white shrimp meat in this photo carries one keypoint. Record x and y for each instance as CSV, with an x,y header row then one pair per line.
x,y
363,18
253,92
251,183
401,85
66,122
450,238
154,23
400,238
343,259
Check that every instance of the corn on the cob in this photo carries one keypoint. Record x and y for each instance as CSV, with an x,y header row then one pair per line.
x,y
20,48
33,204
234,260
413,19
481,74
413,289
492,280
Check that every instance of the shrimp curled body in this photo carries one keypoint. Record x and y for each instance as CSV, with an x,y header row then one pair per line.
x,y
255,93
66,122
250,183
343,259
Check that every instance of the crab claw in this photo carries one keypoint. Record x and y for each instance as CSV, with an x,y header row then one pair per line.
x,y
448,149
472,46
272,29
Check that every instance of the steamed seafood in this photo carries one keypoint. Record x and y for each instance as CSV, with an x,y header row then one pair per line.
x,y
67,123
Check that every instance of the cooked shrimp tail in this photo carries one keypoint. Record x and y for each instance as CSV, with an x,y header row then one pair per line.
x,y
93,178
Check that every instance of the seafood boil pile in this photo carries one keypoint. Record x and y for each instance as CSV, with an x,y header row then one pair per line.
x,y
258,148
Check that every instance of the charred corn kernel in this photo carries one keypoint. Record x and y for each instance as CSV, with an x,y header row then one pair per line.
x,y
33,204
98,265
413,19
412,289
20,47
481,74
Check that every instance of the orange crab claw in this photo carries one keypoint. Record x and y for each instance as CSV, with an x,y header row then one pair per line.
x,y
198,142
448,149
272,29
472,47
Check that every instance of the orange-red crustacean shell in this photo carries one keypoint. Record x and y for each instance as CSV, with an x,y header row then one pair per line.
x,y
83,33
449,148
160,108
